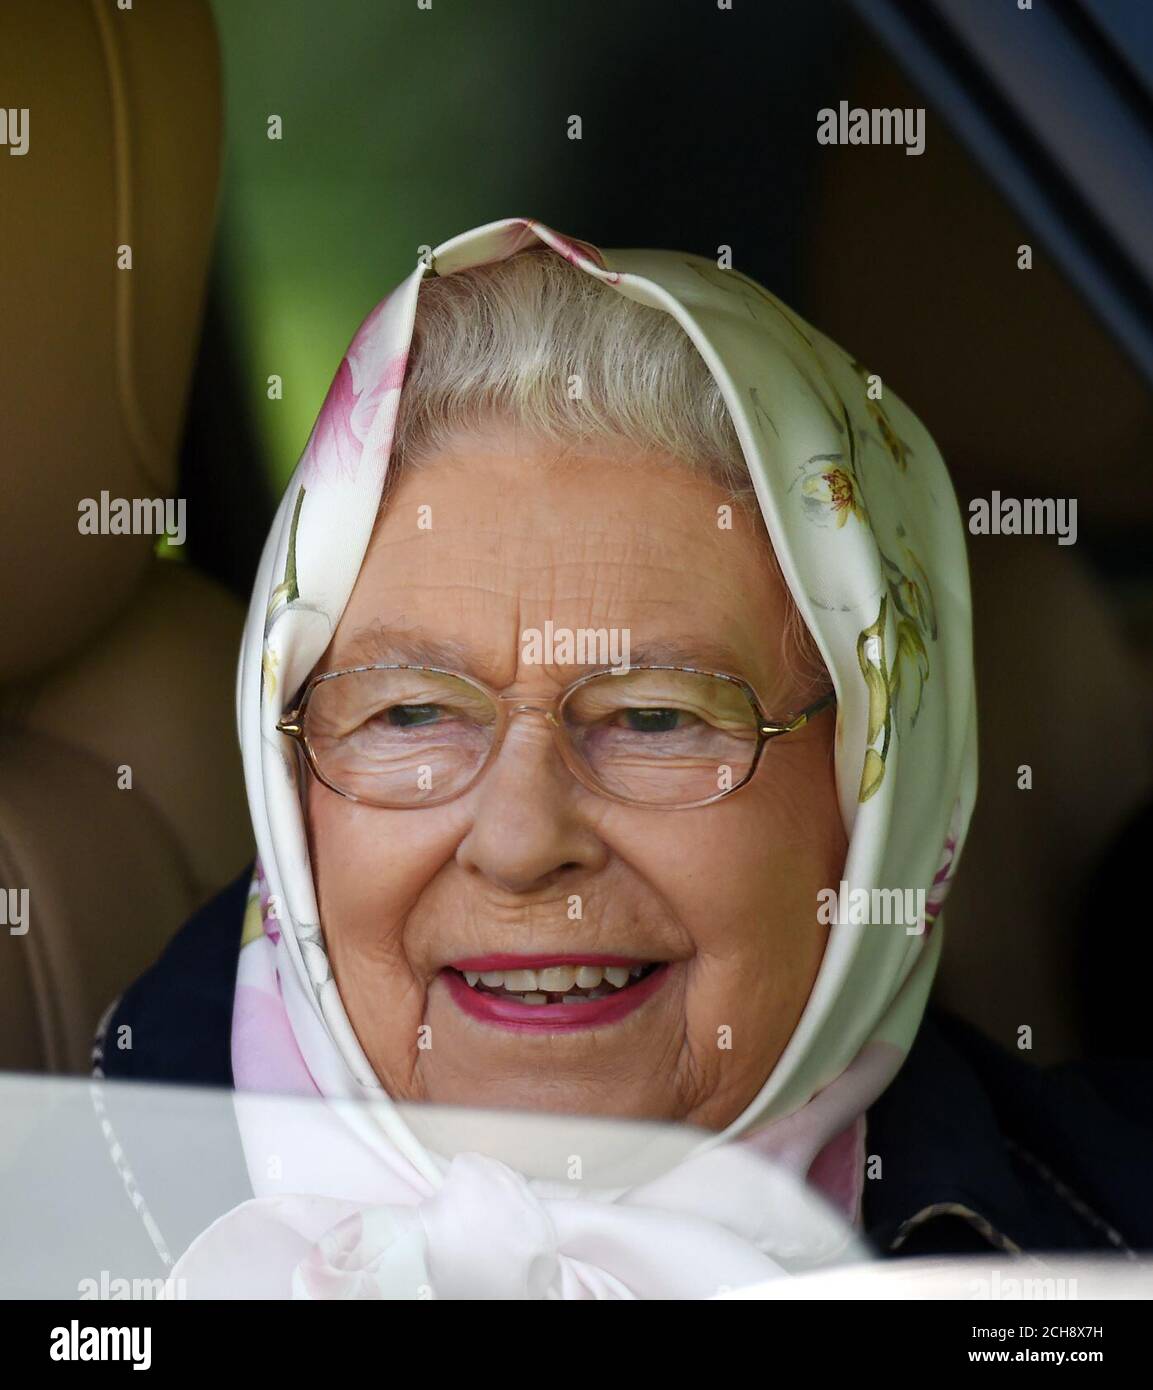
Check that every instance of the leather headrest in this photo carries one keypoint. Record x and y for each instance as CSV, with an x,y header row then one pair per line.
x,y
123,138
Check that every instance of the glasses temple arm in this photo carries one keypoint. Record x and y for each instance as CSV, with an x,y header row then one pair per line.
x,y
798,721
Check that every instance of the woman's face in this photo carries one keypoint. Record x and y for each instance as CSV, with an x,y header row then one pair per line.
x,y
491,537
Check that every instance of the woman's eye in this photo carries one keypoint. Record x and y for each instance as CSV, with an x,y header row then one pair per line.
x,y
651,721
406,716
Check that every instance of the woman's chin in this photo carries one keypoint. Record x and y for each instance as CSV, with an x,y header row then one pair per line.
x,y
558,1095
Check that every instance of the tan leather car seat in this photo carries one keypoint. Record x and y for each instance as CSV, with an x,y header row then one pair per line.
x,y
109,656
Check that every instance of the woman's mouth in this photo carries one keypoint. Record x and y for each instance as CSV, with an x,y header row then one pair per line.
x,y
554,993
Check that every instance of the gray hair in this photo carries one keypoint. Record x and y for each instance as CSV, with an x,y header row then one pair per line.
x,y
536,340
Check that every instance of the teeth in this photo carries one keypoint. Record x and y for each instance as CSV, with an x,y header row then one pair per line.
x,y
520,981
557,979
534,986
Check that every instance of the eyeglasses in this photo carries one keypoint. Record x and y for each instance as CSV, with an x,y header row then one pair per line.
x,y
667,737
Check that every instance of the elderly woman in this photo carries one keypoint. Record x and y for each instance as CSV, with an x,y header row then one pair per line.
x,y
607,713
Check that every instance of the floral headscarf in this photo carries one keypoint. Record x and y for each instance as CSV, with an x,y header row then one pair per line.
x,y
865,526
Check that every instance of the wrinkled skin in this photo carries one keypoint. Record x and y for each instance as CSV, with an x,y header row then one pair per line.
x,y
727,893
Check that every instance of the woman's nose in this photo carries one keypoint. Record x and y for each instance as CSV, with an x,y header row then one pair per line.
x,y
531,818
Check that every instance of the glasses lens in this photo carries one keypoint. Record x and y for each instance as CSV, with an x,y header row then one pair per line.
x,y
399,737
663,738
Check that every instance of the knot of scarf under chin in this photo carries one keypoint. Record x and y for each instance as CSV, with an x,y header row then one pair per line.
x,y
489,1233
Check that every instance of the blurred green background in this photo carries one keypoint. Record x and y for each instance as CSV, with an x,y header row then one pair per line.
x,y
399,126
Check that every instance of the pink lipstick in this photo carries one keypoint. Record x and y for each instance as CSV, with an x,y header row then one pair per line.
x,y
491,1008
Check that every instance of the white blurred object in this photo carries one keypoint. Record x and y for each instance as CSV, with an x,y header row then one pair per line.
x,y
995,1278
108,1186
109,1189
